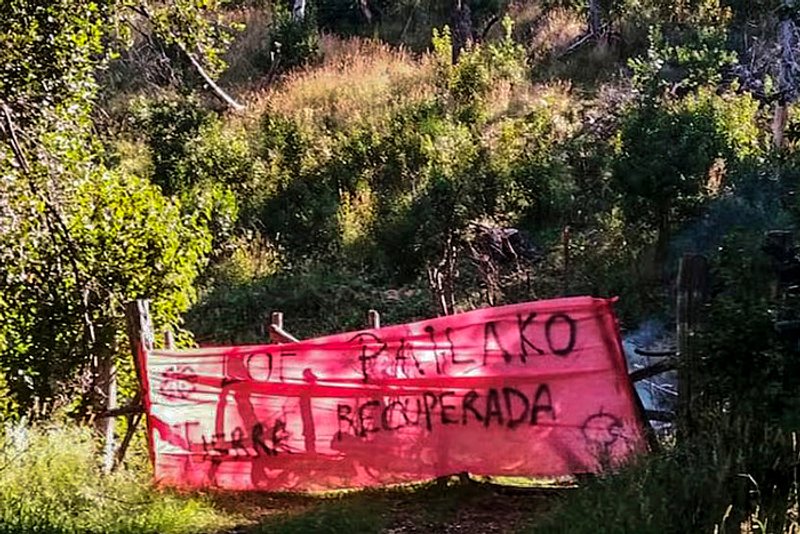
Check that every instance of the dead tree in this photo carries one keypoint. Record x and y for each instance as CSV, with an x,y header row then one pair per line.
x,y
441,278
462,33
594,18
299,10
788,74
216,90
363,6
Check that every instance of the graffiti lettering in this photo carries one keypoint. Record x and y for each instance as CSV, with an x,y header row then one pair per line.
x,y
178,383
551,325
560,332
371,346
507,407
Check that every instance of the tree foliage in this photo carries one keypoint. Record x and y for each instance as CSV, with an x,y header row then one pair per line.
x,y
78,239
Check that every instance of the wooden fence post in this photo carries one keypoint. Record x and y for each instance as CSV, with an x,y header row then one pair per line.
x,y
692,292
373,319
169,340
276,332
140,335
107,383
566,238
276,319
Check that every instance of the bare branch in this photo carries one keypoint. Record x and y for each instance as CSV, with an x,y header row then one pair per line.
x,y
216,89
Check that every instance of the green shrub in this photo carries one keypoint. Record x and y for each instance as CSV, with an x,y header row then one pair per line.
x,y
316,299
666,150
688,50
251,257
734,468
464,86
426,189
126,241
744,365
293,43
219,154
722,482
610,259
198,161
528,181
170,125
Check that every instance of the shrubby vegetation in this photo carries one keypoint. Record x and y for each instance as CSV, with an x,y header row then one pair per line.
x,y
360,174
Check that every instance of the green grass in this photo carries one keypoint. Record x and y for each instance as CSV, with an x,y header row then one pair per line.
x,y
697,487
51,481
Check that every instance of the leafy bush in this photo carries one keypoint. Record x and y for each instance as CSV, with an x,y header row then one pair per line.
x,y
610,259
315,299
666,152
528,181
688,52
126,241
198,161
721,483
170,124
745,365
293,43
463,86
221,155
735,466
51,481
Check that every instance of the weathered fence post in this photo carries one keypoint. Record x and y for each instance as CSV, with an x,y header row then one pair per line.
x,y
276,319
566,238
169,340
692,292
373,319
107,383
140,336
276,332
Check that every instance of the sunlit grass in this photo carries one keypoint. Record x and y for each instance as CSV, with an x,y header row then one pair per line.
x,y
51,481
360,81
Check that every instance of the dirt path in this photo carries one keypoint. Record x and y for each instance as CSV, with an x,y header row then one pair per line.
x,y
473,508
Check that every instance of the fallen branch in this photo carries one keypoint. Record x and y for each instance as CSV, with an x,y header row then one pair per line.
x,y
583,39
130,409
652,370
656,353
216,89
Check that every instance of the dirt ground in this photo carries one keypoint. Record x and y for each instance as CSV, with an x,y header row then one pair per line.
x,y
454,507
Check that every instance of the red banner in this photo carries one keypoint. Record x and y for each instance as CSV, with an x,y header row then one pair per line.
x,y
534,389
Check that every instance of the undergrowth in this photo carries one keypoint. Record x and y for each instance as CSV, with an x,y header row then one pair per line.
x,y
51,481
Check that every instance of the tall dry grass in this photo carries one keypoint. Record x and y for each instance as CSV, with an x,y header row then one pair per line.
x,y
245,57
359,82
555,32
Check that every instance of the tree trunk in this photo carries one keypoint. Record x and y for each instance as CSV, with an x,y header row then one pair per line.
x,y
662,242
462,28
779,121
594,17
216,89
105,399
363,5
789,73
299,10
